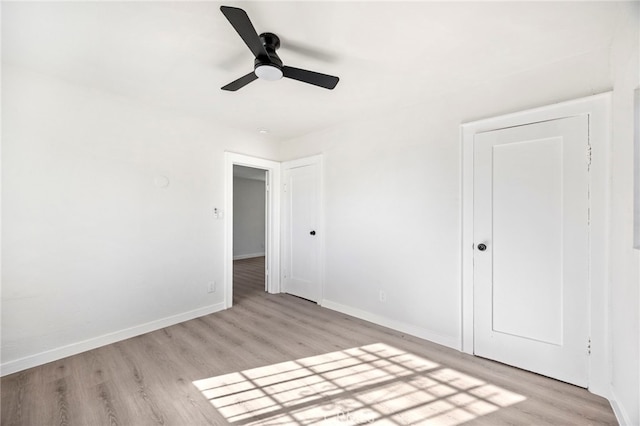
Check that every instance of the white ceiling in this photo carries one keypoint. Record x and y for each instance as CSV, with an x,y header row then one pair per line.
x,y
177,55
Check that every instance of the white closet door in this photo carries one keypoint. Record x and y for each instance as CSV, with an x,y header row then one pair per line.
x,y
531,237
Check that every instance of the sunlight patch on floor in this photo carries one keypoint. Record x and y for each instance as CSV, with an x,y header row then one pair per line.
x,y
374,383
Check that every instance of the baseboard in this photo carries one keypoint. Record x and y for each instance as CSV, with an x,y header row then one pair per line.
x,y
619,411
413,330
248,256
11,367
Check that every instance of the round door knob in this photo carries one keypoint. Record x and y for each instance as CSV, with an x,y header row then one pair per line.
x,y
312,233
482,247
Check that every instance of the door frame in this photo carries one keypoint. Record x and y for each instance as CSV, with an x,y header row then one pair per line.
x,y
292,164
272,201
598,110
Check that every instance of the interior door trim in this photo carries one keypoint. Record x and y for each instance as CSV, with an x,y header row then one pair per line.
x,y
598,110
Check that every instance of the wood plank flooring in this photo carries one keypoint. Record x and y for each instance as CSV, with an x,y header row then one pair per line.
x,y
278,359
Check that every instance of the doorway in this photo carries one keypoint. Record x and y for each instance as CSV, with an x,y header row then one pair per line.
x,y
250,245
595,110
249,230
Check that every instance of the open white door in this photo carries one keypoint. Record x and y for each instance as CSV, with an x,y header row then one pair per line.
x,y
302,228
531,240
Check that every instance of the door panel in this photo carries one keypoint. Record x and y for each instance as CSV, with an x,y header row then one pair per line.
x,y
302,203
527,224
531,282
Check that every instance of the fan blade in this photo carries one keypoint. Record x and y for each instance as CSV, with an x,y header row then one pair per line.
x,y
241,82
240,22
311,77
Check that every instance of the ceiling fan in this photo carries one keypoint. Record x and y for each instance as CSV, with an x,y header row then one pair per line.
x,y
267,64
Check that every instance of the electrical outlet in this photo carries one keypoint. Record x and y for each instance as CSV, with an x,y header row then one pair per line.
x,y
211,287
383,296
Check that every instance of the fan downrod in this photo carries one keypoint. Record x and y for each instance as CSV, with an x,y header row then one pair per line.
x,y
271,43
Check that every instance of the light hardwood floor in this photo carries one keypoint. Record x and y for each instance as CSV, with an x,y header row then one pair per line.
x,y
278,359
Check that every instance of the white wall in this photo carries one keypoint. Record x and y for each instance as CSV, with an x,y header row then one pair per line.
x,y
392,191
248,217
93,248
624,261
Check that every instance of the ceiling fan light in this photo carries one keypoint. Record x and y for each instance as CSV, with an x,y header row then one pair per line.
x,y
268,72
